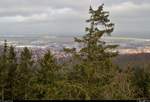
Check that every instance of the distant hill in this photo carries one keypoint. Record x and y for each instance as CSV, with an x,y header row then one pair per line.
x,y
136,60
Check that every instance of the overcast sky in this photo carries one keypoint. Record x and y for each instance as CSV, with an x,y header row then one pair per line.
x,y
68,16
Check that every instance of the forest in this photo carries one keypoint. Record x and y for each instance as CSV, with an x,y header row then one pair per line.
x,y
90,73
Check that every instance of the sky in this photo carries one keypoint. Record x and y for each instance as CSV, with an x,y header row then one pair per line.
x,y
67,17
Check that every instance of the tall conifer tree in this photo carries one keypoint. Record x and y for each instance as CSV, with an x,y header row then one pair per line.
x,y
46,77
95,68
11,73
3,69
24,74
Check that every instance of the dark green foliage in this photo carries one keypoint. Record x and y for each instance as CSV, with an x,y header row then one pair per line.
x,y
24,75
46,77
121,86
8,68
3,70
141,81
11,74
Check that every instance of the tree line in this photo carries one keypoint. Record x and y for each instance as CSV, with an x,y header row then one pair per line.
x,y
89,74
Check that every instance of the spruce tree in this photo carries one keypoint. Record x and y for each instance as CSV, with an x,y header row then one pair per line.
x,y
95,68
24,75
3,70
11,73
46,77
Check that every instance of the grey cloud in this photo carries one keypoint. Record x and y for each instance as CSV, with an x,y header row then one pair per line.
x,y
131,17
48,14
68,16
